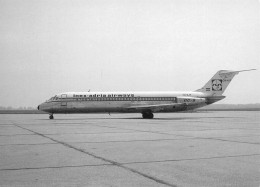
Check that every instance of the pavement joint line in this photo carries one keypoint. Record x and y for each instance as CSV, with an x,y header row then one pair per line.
x,y
219,129
6,125
65,133
129,163
91,133
3,145
119,141
17,135
55,167
190,159
102,158
219,139
126,141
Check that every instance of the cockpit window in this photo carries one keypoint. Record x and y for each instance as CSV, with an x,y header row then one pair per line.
x,y
53,98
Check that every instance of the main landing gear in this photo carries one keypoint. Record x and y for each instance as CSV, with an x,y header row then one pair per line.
x,y
147,115
51,116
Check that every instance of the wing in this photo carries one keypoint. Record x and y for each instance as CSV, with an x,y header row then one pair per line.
x,y
157,108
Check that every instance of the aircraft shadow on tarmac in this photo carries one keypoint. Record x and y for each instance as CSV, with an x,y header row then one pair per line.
x,y
139,118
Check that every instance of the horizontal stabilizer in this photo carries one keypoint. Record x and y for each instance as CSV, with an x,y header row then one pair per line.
x,y
226,71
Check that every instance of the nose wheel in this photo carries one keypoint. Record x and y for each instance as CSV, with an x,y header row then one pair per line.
x,y
51,116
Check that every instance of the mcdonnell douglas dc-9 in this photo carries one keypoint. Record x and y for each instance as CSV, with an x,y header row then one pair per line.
x,y
145,103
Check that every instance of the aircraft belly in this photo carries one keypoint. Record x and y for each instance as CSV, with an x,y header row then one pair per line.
x,y
192,107
118,106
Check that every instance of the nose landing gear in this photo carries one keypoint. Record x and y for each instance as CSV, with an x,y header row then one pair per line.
x,y
147,115
51,116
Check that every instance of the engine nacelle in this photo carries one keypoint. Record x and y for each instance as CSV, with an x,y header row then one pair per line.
x,y
191,100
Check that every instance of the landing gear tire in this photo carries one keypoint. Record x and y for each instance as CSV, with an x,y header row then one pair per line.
x,y
51,116
147,115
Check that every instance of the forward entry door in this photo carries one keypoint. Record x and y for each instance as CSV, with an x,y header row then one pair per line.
x,y
64,100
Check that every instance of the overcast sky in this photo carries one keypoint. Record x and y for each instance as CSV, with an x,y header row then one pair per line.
x,y
53,46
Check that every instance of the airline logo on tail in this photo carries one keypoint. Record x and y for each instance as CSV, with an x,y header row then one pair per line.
x,y
217,84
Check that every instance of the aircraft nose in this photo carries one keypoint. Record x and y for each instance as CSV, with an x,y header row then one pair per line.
x,y
38,107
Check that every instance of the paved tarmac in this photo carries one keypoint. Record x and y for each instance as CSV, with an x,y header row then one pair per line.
x,y
177,149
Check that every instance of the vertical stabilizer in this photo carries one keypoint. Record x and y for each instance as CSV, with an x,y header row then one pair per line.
x,y
219,82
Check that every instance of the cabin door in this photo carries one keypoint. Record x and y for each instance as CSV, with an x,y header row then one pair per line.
x,y
64,100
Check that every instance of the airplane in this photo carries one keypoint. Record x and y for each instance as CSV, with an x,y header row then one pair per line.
x,y
145,103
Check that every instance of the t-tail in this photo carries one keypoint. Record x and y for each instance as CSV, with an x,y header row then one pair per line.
x,y
217,85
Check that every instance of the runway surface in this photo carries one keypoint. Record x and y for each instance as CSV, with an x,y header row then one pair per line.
x,y
177,149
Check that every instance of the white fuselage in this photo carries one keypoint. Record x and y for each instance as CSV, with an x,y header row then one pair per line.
x,y
130,102
146,103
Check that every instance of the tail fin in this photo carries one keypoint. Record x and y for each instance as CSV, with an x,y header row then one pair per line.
x,y
219,82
